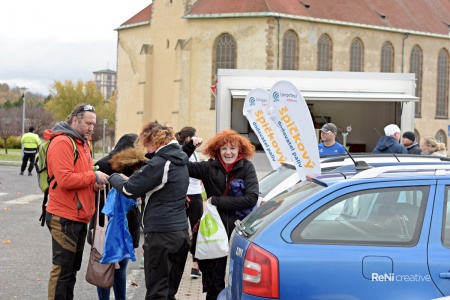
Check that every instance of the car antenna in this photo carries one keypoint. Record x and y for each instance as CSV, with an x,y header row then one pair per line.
x,y
359,165
388,146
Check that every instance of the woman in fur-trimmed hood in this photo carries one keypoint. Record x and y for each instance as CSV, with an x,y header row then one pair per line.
x,y
125,158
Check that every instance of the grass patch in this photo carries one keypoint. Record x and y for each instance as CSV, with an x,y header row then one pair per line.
x,y
13,155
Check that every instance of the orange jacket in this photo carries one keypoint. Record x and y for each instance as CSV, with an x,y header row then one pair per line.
x,y
73,196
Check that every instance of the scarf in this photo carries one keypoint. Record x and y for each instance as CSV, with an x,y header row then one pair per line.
x,y
230,166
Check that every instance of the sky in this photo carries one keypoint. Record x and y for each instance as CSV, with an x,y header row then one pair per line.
x,y
46,40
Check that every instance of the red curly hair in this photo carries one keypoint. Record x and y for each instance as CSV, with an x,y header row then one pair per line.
x,y
229,136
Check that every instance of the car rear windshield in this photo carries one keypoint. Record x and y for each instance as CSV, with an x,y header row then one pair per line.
x,y
273,179
273,208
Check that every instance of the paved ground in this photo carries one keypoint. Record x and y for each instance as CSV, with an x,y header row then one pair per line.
x,y
190,289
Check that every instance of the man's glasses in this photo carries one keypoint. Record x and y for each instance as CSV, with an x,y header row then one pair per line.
x,y
88,108
84,108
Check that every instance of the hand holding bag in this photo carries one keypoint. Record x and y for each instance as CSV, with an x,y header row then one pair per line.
x,y
212,239
101,275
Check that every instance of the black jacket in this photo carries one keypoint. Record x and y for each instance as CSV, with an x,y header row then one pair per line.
x,y
215,180
164,180
125,144
414,149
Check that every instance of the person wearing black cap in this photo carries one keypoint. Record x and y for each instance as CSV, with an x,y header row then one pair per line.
x,y
409,141
30,142
329,146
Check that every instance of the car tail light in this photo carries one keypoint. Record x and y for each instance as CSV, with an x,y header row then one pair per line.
x,y
262,202
260,276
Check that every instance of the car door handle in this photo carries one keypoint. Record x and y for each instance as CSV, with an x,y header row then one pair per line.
x,y
444,275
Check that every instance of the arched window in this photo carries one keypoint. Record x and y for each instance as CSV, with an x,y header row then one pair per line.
x,y
387,58
356,56
225,52
290,52
441,137
324,51
442,85
416,68
224,57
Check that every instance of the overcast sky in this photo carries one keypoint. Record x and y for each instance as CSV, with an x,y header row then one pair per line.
x,y
46,40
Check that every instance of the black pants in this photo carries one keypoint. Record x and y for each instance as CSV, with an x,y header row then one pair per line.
x,y
68,238
213,276
28,155
165,255
194,213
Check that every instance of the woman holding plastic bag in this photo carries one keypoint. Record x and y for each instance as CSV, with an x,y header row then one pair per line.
x,y
228,165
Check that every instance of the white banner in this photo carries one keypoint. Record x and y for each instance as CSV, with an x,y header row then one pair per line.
x,y
266,130
288,109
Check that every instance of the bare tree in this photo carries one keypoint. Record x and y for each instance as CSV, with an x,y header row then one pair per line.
x,y
10,120
39,118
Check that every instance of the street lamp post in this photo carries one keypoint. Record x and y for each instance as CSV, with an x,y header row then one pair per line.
x,y
103,139
23,90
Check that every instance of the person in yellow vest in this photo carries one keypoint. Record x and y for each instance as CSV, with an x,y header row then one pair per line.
x,y
30,142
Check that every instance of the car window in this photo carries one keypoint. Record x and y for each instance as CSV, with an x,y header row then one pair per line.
x,y
388,216
446,221
274,178
273,208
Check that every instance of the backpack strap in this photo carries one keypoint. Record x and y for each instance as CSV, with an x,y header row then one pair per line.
x,y
45,200
75,150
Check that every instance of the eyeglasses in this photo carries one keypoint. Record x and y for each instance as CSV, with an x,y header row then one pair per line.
x,y
84,108
88,108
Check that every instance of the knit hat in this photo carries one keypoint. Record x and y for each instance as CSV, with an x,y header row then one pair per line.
x,y
409,135
391,129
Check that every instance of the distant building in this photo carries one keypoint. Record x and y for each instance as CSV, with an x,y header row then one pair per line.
x,y
168,55
105,80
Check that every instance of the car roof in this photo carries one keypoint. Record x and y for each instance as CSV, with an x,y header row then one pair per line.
x,y
335,161
399,170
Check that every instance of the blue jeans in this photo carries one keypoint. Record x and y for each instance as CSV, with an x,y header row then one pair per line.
x,y
120,284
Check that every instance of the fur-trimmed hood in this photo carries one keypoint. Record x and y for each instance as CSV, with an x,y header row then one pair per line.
x,y
130,159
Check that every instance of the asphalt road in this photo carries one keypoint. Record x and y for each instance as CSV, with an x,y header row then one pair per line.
x,y
25,246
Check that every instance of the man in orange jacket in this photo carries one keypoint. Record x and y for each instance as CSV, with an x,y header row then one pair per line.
x,y
71,201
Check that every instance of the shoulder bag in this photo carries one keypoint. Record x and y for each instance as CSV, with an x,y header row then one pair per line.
x,y
101,275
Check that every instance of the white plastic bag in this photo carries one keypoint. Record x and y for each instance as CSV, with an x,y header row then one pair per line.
x,y
212,239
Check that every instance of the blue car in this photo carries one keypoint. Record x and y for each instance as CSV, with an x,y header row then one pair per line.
x,y
381,233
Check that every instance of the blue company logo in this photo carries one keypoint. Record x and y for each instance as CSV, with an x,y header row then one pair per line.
x,y
276,96
252,101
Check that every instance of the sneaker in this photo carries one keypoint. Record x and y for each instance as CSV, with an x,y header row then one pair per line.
x,y
141,263
30,174
195,273
21,173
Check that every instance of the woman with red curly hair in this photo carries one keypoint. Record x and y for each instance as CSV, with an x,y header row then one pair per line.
x,y
229,155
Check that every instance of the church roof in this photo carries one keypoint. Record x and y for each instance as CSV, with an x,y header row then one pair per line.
x,y
431,16
141,18
428,16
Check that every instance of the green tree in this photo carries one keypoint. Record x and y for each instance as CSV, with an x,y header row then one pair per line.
x,y
65,96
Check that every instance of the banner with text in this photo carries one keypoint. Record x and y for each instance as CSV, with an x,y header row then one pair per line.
x,y
288,109
268,133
